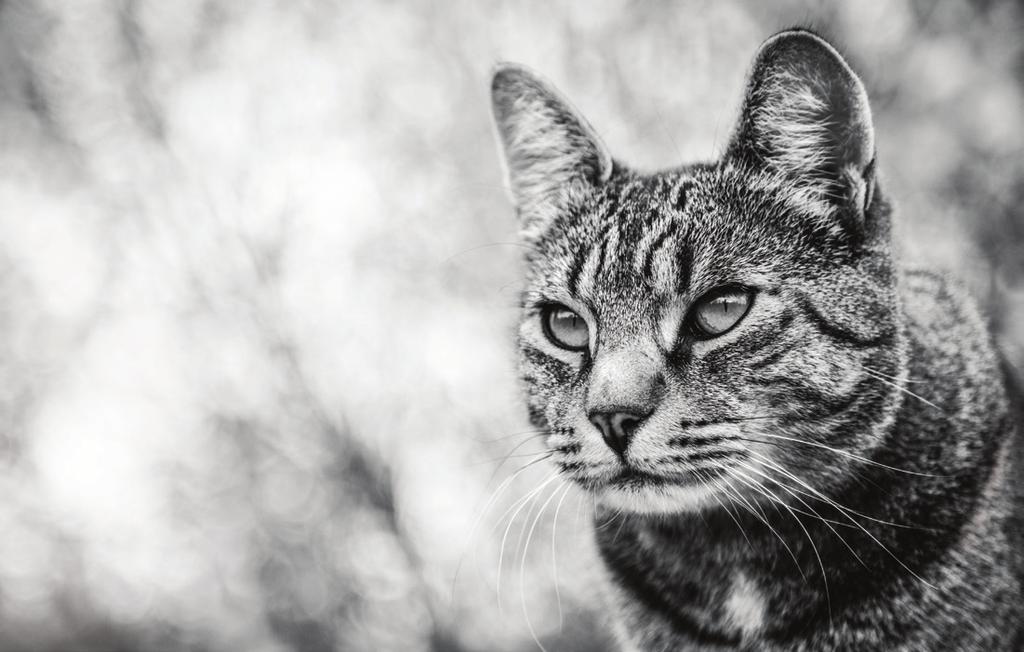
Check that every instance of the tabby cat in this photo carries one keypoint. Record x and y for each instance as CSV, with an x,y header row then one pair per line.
x,y
794,442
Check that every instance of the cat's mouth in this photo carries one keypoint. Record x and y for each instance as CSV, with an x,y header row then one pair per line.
x,y
651,492
632,477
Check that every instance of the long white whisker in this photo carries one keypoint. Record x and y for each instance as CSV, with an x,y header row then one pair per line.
x,y
522,565
904,390
505,484
714,495
764,519
504,538
813,513
839,451
815,493
845,511
889,376
810,539
554,554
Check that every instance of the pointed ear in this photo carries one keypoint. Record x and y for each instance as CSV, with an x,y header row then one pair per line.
x,y
806,116
552,155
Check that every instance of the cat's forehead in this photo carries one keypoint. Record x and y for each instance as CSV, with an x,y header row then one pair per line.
x,y
650,237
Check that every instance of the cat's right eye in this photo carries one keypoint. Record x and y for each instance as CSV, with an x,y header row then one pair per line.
x,y
565,328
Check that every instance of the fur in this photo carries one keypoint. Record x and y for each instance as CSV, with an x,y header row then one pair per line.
x,y
838,470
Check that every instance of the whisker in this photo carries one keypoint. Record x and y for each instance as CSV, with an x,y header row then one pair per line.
x,y
845,453
505,484
529,513
814,514
821,496
608,523
775,499
622,524
488,245
505,458
814,548
845,511
528,499
520,433
543,456
522,565
554,554
764,519
905,391
714,495
889,376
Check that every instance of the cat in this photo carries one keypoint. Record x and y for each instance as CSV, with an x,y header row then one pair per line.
x,y
794,442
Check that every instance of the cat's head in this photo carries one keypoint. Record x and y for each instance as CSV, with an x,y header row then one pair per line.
x,y
689,334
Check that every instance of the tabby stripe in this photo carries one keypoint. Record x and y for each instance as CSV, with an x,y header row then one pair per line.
x,y
590,270
577,268
610,251
771,358
648,263
609,209
837,333
685,265
536,415
538,356
679,194
743,347
803,392
830,405
687,440
699,456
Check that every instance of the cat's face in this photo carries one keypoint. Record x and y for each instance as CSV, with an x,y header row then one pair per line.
x,y
688,335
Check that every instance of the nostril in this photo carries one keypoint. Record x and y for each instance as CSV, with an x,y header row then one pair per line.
x,y
603,424
626,423
616,428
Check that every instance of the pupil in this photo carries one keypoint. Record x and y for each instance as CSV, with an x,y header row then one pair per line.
x,y
570,322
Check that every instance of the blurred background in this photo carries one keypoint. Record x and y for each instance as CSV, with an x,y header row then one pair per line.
x,y
258,293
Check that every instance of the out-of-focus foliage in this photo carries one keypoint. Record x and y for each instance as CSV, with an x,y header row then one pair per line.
x,y
259,288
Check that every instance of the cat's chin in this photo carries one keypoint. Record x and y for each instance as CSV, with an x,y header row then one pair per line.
x,y
657,499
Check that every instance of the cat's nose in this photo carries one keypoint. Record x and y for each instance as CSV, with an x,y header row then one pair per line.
x,y
616,428
626,385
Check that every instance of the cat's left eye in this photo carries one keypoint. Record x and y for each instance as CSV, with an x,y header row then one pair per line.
x,y
720,310
565,328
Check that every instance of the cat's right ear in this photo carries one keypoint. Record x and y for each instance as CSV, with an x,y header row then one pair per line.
x,y
552,155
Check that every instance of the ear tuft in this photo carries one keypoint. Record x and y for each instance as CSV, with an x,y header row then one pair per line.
x,y
806,116
552,155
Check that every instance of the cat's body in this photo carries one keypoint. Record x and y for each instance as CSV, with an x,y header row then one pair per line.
x,y
794,445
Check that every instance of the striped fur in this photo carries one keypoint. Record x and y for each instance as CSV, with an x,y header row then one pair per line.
x,y
836,472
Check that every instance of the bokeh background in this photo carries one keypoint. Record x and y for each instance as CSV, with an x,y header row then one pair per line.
x,y
258,279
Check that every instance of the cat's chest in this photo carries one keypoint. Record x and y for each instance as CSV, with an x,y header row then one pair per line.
x,y
671,582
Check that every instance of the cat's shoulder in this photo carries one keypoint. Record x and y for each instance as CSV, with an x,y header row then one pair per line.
x,y
934,299
942,316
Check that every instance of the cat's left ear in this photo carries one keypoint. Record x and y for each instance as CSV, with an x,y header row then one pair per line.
x,y
552,155
806,116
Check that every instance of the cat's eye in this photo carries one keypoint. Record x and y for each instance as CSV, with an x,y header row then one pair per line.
x,y
720,310
565,328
